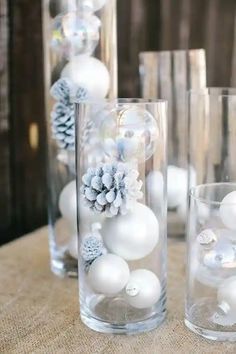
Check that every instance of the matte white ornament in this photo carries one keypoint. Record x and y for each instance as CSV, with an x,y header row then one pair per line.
x,y
132,236
206,237
228,210
89,73
176,186
68,204
226,295
108,274
155,186
73,246
143,289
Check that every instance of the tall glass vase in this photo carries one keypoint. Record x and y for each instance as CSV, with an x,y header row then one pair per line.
x,y
121,171
169,75
80,63
211,276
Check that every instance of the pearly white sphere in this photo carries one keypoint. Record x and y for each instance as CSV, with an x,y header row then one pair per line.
x,y
73,246
132,236
226,294
228,210
89,73
68,204
176,186
108,274
143,289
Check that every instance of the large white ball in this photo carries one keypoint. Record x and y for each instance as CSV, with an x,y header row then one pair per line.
x,y
228,210
143,289
108,274
68,203
132,236
89,73
227,295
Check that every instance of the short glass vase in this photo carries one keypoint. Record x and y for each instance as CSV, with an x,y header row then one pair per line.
x,y
211,268
121,178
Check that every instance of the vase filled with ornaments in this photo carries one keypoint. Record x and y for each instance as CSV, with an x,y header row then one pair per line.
x,y
80,64
121,145
169,75
211,268
211,287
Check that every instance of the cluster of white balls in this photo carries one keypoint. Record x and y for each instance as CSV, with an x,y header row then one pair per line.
x,y
220,254
127,238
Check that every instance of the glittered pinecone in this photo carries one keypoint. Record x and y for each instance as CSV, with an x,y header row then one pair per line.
x,y
91,248
63,113
111,188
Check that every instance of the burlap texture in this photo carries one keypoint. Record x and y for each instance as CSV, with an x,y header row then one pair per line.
x,y
39,312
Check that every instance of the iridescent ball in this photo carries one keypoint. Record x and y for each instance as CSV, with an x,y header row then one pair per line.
x,y
228,210
137,126
75,34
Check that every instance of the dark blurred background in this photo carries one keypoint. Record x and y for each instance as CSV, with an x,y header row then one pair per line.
x,y
142,25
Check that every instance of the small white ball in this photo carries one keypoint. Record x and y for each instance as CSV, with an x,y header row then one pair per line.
x,y
227,295
93,5
228,210
143,289
73,246
108,274
68,203
132,236
89,73
176,186
206,237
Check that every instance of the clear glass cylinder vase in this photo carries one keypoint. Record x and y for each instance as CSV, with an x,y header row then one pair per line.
x,y
211,276
80,63
211,268
169,75
121,171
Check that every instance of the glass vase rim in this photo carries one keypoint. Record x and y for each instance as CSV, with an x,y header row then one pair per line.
x,y
192,193
213,91
134,101
146,52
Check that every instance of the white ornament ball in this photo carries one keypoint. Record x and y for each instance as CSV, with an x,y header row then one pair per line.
x,y
73,246
228,210
176,186
227,295
155,186
108,274
68,203
132,236
143,289
89,73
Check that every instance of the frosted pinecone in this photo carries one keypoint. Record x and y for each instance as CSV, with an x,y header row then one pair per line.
x,y
111,188
91,248
63,112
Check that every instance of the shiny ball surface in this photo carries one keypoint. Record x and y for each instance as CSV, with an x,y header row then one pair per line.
x,y
108,274
143,289
89,73
228,210
132,236
73,246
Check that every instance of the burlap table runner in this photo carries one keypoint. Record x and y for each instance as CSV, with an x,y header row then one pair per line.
x,y
39,312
